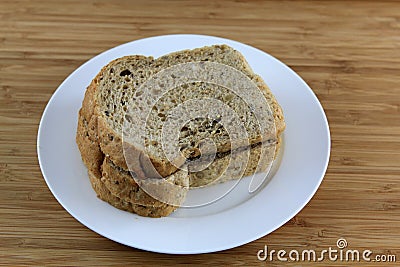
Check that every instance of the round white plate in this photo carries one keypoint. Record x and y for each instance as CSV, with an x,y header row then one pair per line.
x,y
304,161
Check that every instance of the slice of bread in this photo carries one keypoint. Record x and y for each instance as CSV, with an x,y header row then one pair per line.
x,y
126,186
116,85
100,126
104,194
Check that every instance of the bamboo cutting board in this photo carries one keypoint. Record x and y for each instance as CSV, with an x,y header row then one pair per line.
x,y
347,51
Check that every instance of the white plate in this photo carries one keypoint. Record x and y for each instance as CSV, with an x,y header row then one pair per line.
x,y
303,165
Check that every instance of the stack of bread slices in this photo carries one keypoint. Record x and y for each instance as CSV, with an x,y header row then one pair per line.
x,y
102,120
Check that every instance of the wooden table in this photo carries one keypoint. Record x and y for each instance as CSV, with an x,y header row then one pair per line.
x,y
347,51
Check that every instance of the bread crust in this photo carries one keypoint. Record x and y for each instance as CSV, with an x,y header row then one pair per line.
x,y
88,145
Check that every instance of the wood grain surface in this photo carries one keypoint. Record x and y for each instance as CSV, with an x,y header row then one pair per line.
x,y
347,51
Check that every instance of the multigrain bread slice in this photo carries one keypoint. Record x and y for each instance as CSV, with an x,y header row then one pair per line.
x,y
104,194
126,186
119,80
